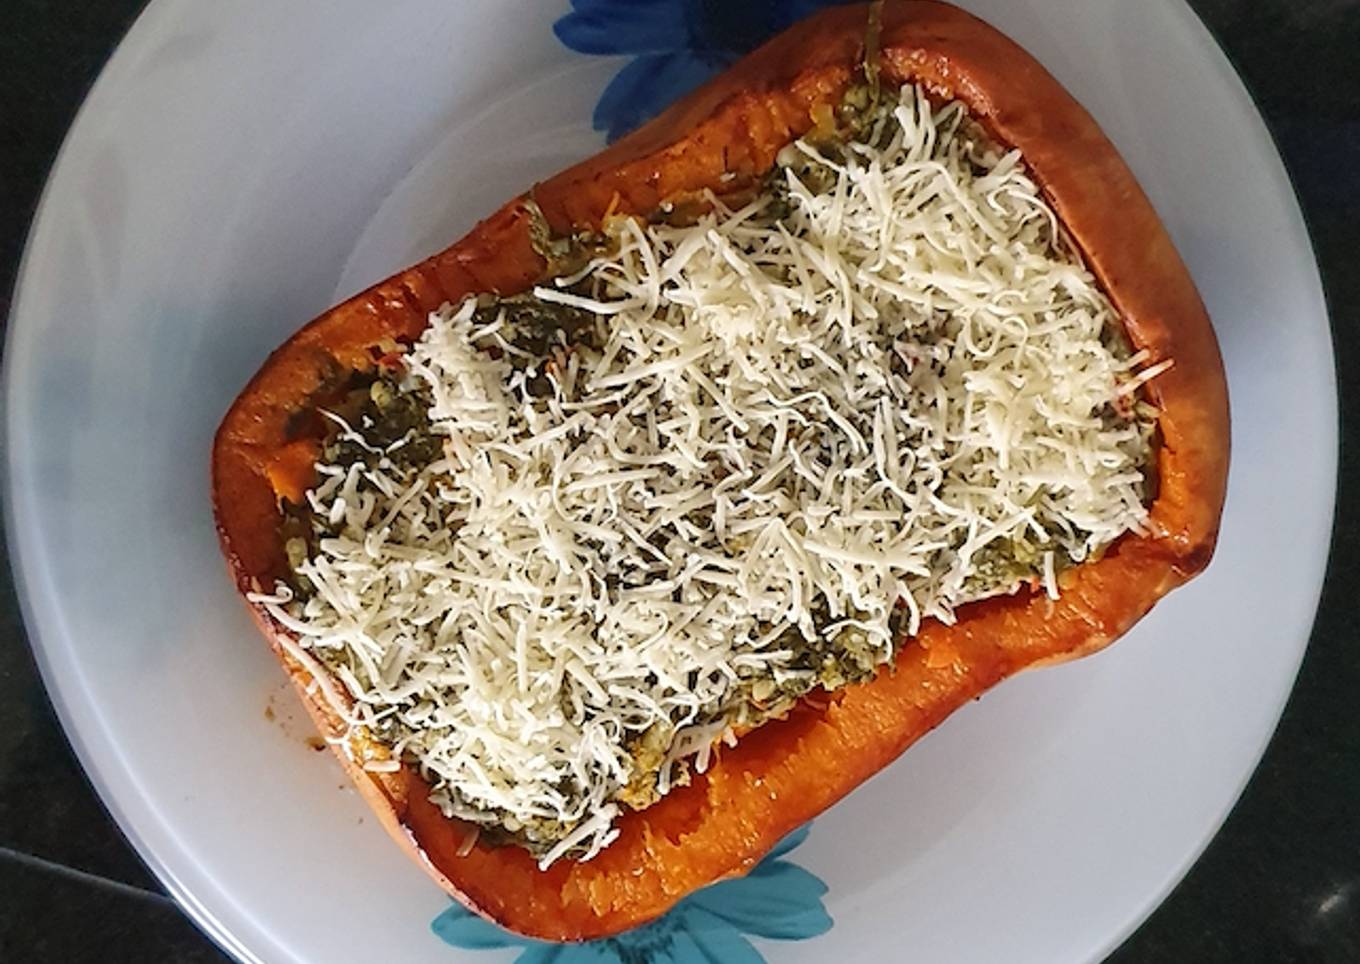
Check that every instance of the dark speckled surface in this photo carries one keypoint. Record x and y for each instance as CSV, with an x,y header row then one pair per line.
x,y
1281,882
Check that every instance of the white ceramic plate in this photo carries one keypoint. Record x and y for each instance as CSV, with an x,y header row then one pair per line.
x,y
239,167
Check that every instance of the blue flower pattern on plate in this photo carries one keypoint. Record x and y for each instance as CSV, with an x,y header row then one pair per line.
x,y
676,45
777,900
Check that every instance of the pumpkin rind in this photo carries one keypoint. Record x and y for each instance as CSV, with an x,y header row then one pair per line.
x,y
786,772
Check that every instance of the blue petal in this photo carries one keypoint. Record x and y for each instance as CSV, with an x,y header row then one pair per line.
x,y
790,842
791,11
736,27
591,953
646,943
707,938
625,27
462,928
645,88
777,900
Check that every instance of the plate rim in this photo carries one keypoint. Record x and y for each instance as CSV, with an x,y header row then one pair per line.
x,y
136,33
1247,108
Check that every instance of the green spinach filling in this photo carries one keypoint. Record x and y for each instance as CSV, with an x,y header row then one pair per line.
x,y
383,421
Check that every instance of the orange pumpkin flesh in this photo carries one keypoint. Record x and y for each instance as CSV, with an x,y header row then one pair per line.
x,y
786,772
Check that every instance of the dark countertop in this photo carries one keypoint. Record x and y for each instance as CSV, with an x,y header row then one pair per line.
x,y
1280,882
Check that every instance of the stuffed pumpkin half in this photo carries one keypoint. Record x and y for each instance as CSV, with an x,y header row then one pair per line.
x,y
691,487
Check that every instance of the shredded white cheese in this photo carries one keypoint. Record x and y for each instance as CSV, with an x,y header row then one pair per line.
x,y
899,393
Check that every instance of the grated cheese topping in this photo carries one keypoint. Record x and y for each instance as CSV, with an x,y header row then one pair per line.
x,y
883,389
